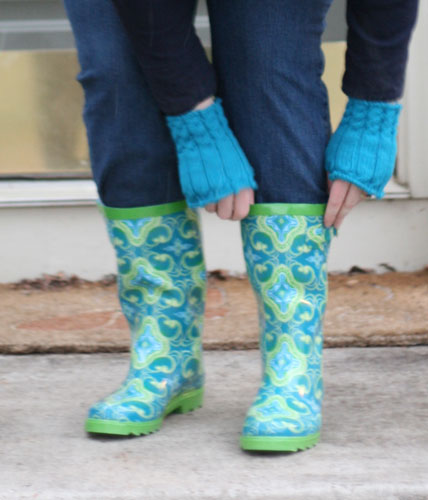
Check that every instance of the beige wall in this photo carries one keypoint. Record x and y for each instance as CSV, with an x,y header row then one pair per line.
x,y
334,67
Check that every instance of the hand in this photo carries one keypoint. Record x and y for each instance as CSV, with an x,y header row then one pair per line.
x,y
343,196
234,206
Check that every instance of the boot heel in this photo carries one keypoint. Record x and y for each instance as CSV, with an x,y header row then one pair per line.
x,y
190,401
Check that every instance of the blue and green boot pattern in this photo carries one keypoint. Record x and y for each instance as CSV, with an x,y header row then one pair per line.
x,y
162,292
285,249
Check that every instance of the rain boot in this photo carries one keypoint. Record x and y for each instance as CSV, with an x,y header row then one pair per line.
x,y
162,291
285,248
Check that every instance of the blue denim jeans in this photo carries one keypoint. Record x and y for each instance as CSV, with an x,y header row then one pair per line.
x,y
268,60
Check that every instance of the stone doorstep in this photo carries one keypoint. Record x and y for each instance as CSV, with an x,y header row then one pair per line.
x,y
374,441
363,309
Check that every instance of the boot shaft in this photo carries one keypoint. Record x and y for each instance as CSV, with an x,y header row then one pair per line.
x,y
285,249
162,290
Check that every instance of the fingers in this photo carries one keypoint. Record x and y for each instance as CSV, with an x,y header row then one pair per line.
x,y
343,197
211,207
251,196
225,207
243,200
352,198
339,190
233,207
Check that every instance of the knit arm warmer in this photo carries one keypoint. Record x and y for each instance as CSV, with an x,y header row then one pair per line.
x,y
363,148
211,163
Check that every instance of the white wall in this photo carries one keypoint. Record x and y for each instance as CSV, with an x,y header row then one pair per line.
x,y
36,240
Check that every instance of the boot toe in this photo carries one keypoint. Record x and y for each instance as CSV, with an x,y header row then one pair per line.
x,y
280,426
131,411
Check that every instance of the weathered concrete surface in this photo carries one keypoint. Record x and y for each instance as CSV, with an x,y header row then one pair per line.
x,y
363,310
374,443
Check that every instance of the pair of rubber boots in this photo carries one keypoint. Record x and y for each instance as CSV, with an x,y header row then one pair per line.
x,y
162,291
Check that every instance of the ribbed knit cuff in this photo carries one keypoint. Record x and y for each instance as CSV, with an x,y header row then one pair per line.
x,y
364,147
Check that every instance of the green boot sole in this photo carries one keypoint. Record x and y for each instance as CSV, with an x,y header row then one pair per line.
x,y
268,443
183,403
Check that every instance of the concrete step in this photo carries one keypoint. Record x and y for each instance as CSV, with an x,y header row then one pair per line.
x,y
57,315
374,442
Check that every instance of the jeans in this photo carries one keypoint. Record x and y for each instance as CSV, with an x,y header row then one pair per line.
x,y
268,60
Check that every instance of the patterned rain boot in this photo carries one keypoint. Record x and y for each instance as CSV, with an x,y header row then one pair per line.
x,y
162,291
285,248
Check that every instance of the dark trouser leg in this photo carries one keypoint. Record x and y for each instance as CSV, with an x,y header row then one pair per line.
x,y
132,154
269,64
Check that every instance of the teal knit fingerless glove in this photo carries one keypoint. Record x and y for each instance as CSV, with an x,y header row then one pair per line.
x,y
363,148
211,162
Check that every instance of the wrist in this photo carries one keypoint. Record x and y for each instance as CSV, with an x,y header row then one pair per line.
x,y
204,104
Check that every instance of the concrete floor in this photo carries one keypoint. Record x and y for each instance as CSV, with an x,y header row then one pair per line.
x,y
374,442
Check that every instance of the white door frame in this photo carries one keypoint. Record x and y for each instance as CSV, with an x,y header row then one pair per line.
x,y
412,159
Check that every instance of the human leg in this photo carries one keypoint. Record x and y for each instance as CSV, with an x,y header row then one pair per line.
x,y
161,271
161,281
285,248
269,64
133,157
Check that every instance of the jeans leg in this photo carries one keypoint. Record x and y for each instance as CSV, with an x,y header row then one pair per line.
x,y
132,154
269,64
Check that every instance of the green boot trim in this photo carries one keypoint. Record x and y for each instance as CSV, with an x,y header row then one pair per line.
x,y
272,443
140,212
287,209
188,401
